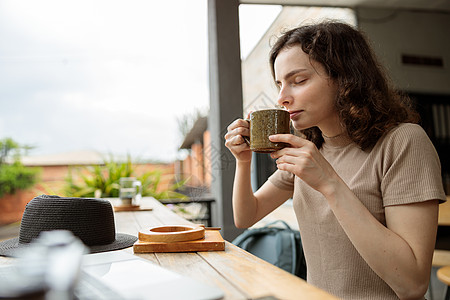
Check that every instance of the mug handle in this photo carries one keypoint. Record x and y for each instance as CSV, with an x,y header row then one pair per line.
x,y
137,199
247,138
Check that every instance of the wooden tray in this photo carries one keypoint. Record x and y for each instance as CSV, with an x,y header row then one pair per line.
x,y
213,241
118,208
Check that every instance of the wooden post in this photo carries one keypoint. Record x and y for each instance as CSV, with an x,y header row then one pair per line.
x,y
225,105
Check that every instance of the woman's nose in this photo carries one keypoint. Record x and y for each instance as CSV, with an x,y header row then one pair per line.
x,y
284,99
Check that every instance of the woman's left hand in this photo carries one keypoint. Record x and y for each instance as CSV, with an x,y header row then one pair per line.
x,y
303,159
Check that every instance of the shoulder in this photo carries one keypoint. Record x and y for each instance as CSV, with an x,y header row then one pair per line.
x,y
406,144
409,166
406,131
405,135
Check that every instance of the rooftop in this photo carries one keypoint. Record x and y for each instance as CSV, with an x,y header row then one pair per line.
x,y
83,157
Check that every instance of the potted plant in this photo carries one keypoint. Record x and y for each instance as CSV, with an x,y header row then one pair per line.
x,y
103,181
15,178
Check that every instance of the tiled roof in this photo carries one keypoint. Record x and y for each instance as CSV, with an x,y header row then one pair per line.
x,y
196,133
85,157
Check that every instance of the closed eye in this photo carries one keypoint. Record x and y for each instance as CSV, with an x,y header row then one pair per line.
x,y
299,80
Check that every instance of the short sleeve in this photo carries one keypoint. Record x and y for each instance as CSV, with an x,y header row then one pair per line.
x,y
411,170
283,180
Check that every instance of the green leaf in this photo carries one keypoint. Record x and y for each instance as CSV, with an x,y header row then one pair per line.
x,y
14,175
105,178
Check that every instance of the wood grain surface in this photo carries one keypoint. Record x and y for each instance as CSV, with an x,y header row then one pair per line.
x,y
238,273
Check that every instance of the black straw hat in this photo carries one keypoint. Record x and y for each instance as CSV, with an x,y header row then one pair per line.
x,y
90,219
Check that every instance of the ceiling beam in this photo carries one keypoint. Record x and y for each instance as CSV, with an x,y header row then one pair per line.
x,y
429,5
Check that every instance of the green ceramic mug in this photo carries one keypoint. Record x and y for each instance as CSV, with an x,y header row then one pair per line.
x,y
264,123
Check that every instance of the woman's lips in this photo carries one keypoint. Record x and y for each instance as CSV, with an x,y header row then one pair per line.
x,y
294,114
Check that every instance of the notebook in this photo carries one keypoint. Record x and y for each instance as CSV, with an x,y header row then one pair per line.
x,y
121,275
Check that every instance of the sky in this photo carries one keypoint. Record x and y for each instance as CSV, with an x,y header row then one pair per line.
x,y
108,75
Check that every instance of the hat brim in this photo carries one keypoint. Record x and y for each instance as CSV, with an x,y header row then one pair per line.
x,y
12,247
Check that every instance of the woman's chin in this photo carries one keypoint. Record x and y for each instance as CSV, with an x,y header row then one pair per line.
x,y
298,126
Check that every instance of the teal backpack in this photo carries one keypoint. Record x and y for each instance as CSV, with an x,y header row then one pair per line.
x,y
280,246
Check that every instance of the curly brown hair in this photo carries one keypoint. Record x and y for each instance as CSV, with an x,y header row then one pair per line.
x,y
367,103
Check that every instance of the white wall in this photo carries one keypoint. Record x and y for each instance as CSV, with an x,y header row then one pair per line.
x,y
259,90
394,33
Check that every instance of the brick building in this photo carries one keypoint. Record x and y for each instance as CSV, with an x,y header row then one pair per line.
x,y
196,167
55,168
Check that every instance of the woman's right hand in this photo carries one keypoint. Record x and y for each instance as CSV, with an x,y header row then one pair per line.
x,y
234,140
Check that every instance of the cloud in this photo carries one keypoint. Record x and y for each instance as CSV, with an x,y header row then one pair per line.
x,y
106,75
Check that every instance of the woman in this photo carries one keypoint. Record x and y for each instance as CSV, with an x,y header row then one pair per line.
x,y
365,180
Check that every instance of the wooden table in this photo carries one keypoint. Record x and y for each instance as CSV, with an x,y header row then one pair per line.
x,y
442,257
239,274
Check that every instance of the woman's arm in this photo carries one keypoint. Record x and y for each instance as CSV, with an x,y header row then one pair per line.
x,y
400,252
249,208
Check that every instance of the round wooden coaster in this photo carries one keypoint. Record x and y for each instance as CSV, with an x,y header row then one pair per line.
x,y
172,233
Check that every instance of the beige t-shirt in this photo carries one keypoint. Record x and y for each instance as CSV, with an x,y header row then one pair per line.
x,y
403,167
